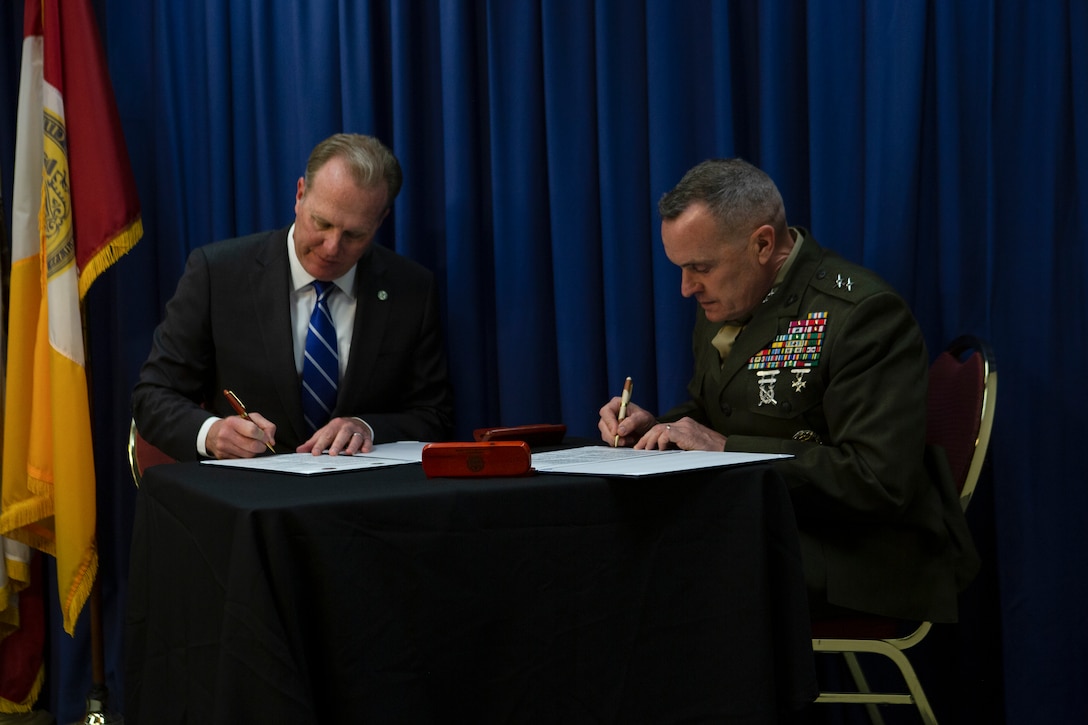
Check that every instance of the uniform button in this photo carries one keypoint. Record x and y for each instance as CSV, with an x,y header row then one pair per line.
x,y
821,274
786,407
727,409
791,299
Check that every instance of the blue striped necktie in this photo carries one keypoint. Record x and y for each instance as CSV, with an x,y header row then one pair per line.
x,y
320,364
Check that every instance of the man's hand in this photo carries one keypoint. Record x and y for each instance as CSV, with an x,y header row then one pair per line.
x,y
684,433
636,422
340,436
236,437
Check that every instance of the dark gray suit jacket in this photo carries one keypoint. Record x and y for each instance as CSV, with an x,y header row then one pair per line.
x,y
229,326
881,527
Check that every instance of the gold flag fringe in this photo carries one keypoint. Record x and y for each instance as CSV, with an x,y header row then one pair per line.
x,y
112,251
81,589
28,521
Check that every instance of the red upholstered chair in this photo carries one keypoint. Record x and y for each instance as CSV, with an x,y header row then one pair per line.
x,y
962,394
142,455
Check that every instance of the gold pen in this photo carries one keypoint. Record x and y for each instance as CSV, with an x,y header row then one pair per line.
x,y
624,400
241,410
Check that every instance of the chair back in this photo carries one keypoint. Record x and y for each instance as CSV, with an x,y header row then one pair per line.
x,y
141,454
960,412
960,408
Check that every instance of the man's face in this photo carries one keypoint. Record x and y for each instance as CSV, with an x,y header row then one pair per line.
x,y
335,220
728,277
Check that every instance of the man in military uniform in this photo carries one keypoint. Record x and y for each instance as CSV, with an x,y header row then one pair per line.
x,y
799,351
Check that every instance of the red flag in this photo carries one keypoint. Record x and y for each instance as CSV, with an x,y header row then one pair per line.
x,y
22,666
75,211
104,200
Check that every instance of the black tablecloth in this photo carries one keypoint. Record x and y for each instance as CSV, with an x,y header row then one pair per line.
x,y
383,597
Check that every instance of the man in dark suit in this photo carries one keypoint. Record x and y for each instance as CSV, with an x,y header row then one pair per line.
x,y
799,351
241,316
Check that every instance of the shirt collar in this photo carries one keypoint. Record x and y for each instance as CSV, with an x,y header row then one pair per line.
x,y
784,270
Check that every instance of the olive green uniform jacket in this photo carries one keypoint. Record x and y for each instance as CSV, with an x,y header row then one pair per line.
x,y
881,527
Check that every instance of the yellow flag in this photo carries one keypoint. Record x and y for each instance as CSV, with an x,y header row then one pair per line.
x,y
74,212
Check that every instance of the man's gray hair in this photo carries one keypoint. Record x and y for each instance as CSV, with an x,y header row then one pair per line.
x,y
369,161
739,196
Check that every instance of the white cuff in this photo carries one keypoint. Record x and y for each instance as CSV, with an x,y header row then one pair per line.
x,y
202,436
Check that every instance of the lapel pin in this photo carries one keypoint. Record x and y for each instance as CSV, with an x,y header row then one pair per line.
x,y
383,295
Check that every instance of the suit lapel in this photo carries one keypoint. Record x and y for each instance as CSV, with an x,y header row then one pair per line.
x,y
270,285
750,341
373,303
784,302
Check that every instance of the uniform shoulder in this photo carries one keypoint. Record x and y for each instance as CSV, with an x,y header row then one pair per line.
x,y
838,277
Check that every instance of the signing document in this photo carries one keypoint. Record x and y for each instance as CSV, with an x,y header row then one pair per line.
x,y
606,461
306,464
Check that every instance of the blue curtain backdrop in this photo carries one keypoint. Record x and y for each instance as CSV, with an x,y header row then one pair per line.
x,y
943,144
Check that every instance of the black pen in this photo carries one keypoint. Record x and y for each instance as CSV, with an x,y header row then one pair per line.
x,y
241,410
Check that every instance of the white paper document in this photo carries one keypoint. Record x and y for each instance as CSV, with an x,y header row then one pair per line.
x,y
605,461
306,464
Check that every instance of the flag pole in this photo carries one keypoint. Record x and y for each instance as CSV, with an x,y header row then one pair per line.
x,y
97,710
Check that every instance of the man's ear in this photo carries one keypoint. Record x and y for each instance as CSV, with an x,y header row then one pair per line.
x,y
763,239
300,191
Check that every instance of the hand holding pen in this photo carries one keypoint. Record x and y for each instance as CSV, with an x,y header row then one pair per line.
x,y
240,409
625,398
622,421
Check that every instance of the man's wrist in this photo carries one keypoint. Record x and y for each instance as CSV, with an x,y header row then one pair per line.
x,y
202,436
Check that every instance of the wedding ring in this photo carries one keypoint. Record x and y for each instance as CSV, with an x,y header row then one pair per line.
x,y
356,434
